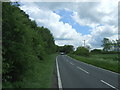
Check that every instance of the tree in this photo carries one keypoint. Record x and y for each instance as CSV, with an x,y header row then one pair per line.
x,y
96,51
66,48
107,44
82,51
118,45
23,42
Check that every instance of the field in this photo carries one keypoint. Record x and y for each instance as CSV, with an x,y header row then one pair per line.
x,y
106,61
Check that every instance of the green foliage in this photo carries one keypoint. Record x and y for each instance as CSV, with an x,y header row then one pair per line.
x,y
96,51
106,44
82,51
23,43
66,48
106,61
111,46
39,76
110,52
116,45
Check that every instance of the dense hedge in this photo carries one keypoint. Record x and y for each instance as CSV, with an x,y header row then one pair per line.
x,y
23,42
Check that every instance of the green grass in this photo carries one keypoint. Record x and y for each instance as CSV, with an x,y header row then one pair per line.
x,y
38,77
106,61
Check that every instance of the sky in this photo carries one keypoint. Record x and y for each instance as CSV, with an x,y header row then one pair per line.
x,y
73,22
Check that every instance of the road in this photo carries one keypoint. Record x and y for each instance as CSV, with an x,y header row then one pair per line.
x,y
76,74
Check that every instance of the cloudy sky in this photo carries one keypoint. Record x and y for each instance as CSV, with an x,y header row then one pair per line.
x,y
73,22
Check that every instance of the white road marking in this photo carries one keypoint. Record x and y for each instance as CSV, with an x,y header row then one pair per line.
x,y
58,75
93,66
83,70
107,84
71,63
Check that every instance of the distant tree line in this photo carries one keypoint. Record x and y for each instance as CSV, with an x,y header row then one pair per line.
x,y
23,42
66,49
109,47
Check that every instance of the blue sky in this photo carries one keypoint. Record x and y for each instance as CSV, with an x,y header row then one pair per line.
x,y
99,20
66,18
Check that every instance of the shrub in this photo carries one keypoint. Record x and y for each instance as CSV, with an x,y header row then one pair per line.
x,y
82,51
96,51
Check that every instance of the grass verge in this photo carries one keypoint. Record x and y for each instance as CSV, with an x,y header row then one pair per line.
x,y
40,76
106,61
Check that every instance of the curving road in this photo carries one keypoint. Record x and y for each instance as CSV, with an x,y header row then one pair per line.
x,y
76,74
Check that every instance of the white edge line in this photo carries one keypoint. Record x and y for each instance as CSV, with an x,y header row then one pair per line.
x,y
95,66
83,70
58,76
107,84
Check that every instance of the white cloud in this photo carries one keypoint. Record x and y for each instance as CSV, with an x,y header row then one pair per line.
x,y
50,20
84,22
91,14
101,16
100,32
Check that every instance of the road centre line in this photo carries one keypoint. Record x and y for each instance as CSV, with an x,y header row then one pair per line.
x,y
83,70
94,66
71,63
108,84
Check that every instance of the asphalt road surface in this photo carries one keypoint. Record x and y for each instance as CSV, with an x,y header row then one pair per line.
x,y
76,74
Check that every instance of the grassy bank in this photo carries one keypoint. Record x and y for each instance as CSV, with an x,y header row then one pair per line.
x,y
38,77
106,61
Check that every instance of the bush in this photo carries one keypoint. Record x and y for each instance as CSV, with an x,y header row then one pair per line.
x,y
23,43
82,51
66,49
96,51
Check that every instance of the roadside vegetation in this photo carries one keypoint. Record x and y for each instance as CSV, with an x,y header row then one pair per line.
x,y
107,58
106,61
38,76
27,50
